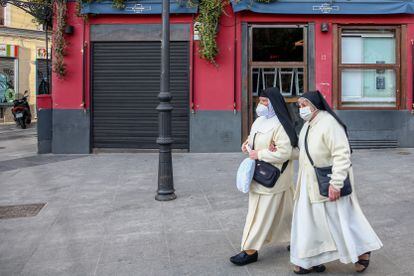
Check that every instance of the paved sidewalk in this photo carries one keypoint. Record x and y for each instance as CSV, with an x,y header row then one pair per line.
x,y
101,217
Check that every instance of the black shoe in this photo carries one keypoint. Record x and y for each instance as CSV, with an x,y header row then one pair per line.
x,y
288,248
318,269
243,258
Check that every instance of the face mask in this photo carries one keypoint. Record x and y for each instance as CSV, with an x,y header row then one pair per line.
x,y
262,110
305,113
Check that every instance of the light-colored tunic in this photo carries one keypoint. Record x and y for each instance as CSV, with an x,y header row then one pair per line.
x,y
328,146
324,231
270,209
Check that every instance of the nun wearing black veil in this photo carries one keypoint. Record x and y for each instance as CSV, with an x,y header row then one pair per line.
x,y
328,223
269,215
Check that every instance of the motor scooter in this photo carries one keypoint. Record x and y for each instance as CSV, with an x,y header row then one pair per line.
x,y
21,111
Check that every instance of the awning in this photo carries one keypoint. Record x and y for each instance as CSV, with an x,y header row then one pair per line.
x,y
137,7
326,7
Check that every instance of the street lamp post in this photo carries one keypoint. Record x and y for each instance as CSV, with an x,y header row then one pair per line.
x,y
165,190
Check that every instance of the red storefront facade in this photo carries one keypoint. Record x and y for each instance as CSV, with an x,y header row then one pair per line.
x,y
220,99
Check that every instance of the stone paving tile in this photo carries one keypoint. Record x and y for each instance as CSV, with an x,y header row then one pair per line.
x,y
208,266
133,248
11,269
193,246
67,268
75,251
140,268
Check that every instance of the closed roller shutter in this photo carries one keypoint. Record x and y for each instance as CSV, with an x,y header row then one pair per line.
x,y
126,83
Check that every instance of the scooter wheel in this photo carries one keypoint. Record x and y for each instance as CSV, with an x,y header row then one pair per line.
x,y
22,123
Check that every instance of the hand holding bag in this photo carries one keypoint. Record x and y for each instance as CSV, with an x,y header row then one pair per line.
x,y
323,175
265,173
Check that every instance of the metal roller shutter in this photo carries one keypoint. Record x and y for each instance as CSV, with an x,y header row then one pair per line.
x,y
126,83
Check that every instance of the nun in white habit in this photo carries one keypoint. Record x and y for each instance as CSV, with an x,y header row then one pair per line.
x,y
269,215
330,228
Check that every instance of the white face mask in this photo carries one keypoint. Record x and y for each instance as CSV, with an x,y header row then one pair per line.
x,y
262,110
305,113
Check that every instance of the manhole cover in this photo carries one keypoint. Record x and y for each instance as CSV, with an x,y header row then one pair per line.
x,y
403,153
20,211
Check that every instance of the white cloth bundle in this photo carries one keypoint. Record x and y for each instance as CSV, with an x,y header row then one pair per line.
x,y
245,175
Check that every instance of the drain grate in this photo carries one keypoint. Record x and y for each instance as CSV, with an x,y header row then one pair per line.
x,y
2,147
20,211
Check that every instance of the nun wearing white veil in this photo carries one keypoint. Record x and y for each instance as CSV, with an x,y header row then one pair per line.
x,y
270,209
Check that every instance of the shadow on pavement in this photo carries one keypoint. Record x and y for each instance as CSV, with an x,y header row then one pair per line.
x,y
32,161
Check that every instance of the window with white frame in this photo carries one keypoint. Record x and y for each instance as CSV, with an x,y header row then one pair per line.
x,y
369,68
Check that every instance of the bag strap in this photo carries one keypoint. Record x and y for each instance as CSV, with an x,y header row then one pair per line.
x,y
254,138
306,147
284,164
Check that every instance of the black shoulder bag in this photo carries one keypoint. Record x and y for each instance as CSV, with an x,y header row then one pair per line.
x,y
265,173
323,175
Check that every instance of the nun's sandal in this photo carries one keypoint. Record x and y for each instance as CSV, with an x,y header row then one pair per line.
x,y
317,269
363,263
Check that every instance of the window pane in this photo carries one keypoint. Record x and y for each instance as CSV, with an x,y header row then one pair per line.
x,y
368,47
41,72
278,44
367,87
6,78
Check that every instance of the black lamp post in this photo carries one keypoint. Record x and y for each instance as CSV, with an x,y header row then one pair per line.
x,y
165,190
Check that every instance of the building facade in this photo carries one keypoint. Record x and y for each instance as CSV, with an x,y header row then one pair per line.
x,y
359,55
22,59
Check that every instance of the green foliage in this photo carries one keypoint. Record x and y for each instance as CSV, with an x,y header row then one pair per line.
x,y
210,12
119,4
59,43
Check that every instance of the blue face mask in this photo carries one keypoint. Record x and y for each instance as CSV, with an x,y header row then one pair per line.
x,y
305,113
262,110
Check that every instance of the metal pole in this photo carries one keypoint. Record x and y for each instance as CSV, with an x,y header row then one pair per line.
x,y
165,190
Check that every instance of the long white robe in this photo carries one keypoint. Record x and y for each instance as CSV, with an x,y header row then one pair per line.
x,y
270,209
324,231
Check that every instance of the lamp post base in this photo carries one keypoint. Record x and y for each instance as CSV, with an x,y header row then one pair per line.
x,y
167,197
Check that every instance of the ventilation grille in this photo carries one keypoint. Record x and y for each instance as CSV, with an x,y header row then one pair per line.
x,y
373,144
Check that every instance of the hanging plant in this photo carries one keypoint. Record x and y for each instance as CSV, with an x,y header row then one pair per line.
x,y
59,43
119,4
210,12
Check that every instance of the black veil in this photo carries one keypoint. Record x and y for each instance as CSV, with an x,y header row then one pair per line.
x,y
281,110
317,99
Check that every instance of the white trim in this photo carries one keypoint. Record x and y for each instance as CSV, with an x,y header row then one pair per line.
x,y
370,99
7,16
16,76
